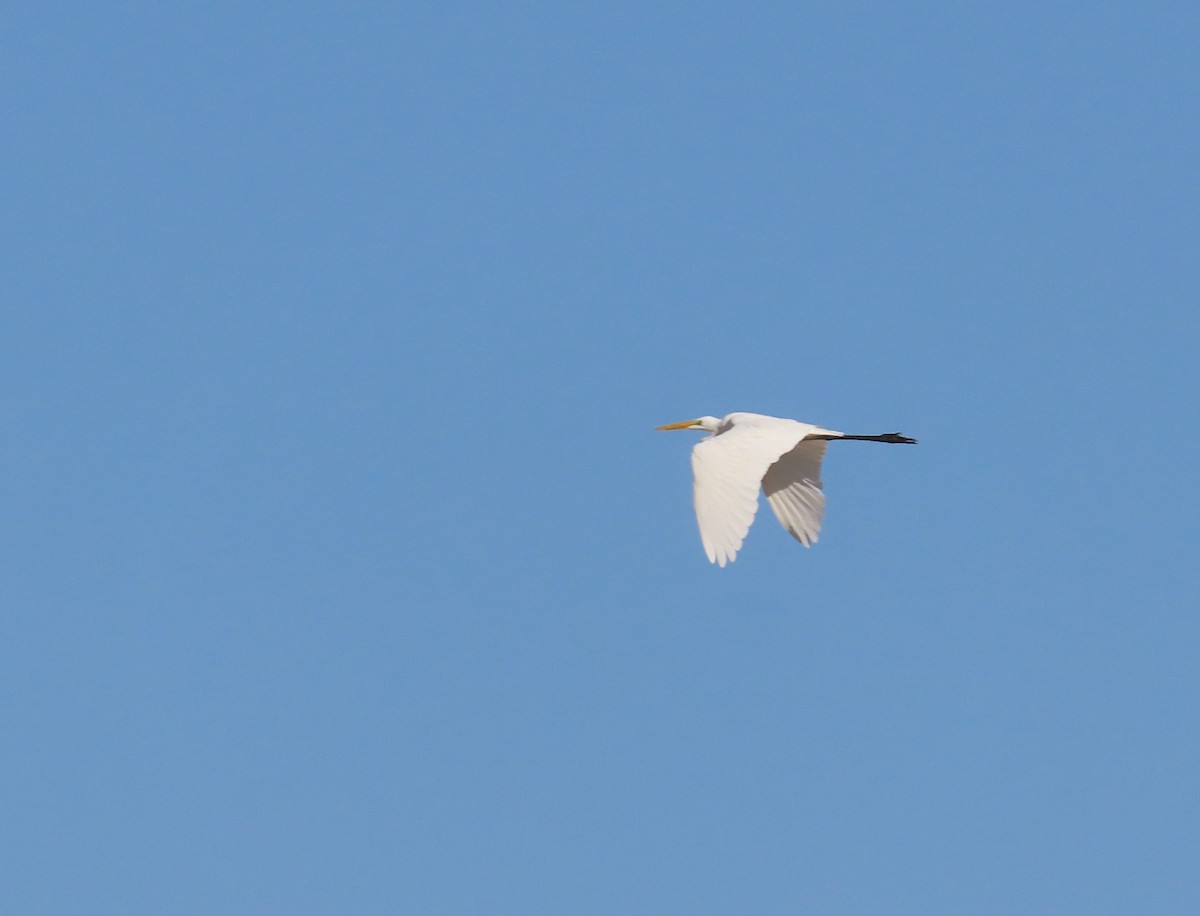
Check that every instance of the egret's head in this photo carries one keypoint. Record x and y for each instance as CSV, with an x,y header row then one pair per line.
x,y
708,424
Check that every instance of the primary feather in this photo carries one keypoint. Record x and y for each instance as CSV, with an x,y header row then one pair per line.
x,y
793,488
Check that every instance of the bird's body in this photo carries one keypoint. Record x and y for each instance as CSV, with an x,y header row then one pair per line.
x,y
744,451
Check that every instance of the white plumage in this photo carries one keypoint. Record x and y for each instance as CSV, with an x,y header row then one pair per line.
x,y
746,451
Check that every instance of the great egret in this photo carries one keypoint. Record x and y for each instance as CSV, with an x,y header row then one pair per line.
x,y
745,450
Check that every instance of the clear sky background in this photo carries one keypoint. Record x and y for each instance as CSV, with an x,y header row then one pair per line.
x,y
345,573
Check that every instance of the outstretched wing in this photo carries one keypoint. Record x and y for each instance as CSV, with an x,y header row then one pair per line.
x,y
793,488
728,470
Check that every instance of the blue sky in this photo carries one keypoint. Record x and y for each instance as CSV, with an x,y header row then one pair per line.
x,y
345,571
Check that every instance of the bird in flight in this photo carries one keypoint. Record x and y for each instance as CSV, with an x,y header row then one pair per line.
x,y
744,451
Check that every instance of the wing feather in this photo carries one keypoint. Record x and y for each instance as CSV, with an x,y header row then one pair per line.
x,y
793,488
729,468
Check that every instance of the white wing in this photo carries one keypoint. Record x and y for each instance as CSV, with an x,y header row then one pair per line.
x,y
793,488
729,468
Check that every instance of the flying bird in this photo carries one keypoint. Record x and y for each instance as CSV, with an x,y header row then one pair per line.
x,y
746,450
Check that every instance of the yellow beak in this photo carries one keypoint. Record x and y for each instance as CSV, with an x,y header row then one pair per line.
x,y
686,424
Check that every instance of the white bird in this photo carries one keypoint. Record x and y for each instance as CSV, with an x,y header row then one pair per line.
x,y
746,450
